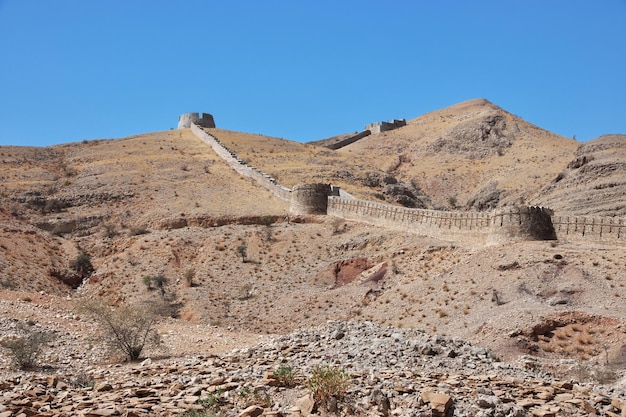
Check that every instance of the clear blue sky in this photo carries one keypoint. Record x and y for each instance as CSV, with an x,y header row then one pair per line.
x,y
304,69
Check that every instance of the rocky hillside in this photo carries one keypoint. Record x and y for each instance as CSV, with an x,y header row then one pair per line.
x,y
473,154
593,183
161,218
383,371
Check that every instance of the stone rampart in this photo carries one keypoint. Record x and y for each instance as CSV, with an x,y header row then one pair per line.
x,y
611,229
349,140
432,223
510,223
263,179
186,120
500,225
310,199
522,222
378,127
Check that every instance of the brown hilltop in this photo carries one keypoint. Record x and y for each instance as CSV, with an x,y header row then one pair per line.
x,y
164,204
454,154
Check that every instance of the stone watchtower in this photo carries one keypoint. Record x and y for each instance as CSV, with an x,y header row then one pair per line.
x,y
185,120
309,199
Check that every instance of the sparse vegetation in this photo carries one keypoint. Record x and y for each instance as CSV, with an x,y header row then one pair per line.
x,y
242,250
328,384
189,276
25,349
82,265
156,282
285,375
127,329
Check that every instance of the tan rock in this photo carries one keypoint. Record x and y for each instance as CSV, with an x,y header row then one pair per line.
x,y
103,387
529,402
305,404
439,403
543,412
102,412
619,405
252,411
563,397
52,381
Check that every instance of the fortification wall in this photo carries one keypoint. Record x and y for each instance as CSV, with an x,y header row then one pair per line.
x,y
350,140
263,179
310,199
186,120
510,223
577,228
460,226
522,222
378,127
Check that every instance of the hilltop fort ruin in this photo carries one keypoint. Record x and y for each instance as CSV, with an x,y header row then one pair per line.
x,y
499,225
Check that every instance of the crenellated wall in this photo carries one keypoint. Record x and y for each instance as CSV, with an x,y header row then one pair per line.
x,y
578,228
509,223
501,225
186,120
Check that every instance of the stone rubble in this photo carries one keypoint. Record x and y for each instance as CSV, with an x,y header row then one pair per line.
x,y
394,372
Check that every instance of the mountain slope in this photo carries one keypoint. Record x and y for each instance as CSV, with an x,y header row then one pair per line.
x,y
594,183
455,153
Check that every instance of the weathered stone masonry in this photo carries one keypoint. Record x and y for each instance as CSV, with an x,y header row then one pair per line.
x,y
500,225
590,228
186,120
265,180
509,223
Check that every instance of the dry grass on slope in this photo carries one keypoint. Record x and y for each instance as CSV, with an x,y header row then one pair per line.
x,y
293,163
594,182
151,177
459,150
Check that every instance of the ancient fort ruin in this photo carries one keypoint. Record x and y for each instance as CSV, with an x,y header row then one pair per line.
x,y
201,119
500,225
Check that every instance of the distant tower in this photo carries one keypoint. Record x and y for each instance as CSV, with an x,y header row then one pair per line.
x,y
185,120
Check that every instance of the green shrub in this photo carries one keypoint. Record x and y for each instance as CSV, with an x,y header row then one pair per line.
x,y
82,265
242,251
328,384
285,376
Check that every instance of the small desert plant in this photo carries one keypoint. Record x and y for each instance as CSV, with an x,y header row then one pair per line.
x,y
452,201
156,282
83,380
328,384
110,230
82,265
127,329
211,400
258,396
246,292
25,349
285,375
189,276
242,251
338,225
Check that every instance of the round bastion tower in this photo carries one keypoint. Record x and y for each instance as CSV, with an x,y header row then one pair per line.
x,y
185,120
309,199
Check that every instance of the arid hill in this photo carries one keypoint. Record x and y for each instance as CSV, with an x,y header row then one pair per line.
x,y
100,219
594,183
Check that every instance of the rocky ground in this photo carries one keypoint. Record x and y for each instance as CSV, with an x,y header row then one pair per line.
x,y
390,371
160,218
